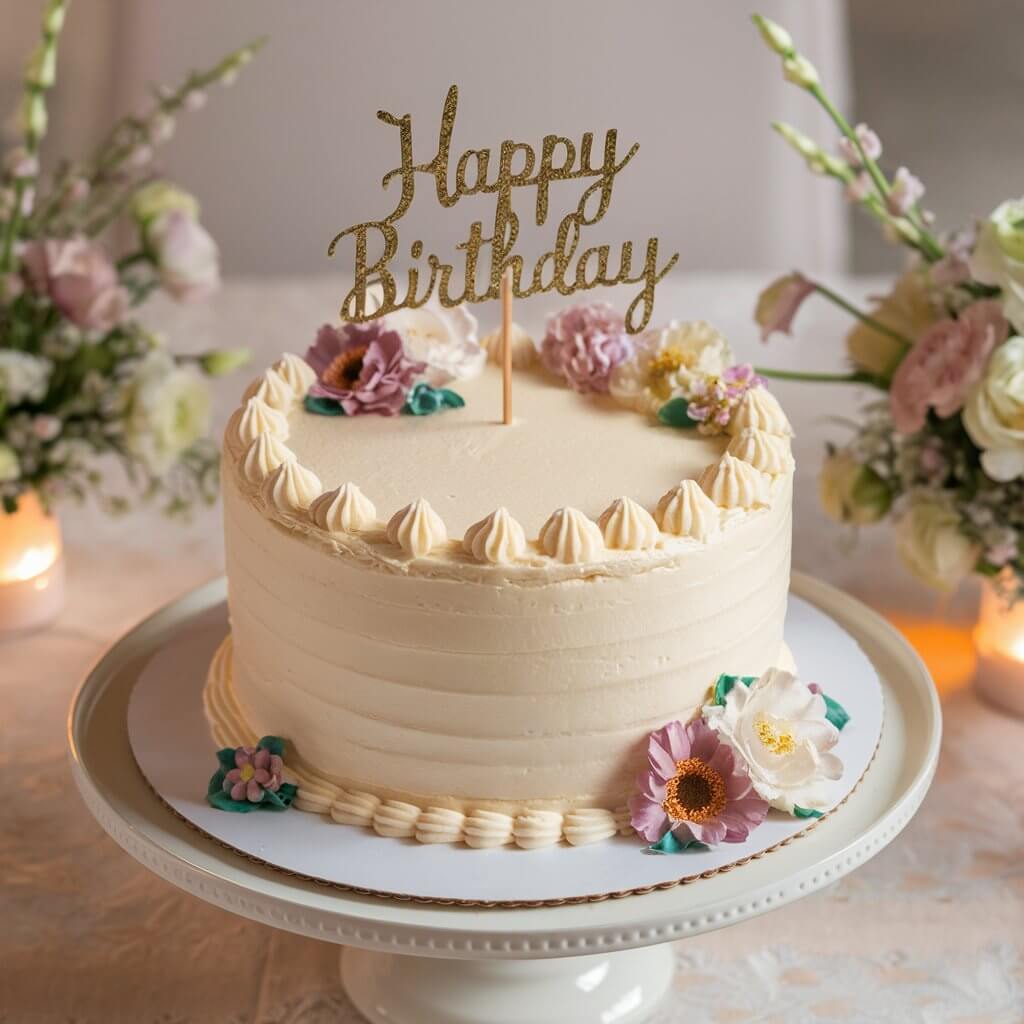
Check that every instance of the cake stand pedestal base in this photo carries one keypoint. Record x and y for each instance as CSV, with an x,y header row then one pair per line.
x,y
625,987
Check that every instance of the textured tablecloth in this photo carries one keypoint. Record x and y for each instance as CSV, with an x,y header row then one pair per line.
x,y
930,930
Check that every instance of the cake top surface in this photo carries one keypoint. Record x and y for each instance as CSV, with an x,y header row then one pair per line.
x,y
426,478
561,449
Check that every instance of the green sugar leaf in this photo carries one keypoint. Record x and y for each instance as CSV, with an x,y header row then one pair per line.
x,y
323,406
676,413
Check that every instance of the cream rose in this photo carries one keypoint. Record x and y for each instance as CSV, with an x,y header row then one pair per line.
x,y
994,414
445,339
907,310
998,257
851,492
932,545
779,727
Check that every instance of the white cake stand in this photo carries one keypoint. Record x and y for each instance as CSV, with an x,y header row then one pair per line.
x,y
594,963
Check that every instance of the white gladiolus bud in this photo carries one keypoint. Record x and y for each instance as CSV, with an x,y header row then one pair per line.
x,y
805,146
800,71
53,19
33,118
41,70
774,35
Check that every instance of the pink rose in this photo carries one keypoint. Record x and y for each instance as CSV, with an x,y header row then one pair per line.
x,y
946,362
79,279
186,256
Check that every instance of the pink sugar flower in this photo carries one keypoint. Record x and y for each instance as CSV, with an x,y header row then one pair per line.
x,y
696,788
946,362
256,770
583,344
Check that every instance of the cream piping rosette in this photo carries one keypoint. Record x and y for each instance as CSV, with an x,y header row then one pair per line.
x,y
778,725
668,362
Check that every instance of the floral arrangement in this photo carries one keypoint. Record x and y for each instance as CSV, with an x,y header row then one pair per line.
x,y
251,779
759,744
80,377
684,373
398,363
941,449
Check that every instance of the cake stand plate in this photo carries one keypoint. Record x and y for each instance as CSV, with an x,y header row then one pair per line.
x,y
171,742
590,963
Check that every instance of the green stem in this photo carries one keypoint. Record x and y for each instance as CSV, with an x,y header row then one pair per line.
x,y
854,377
870,321
930,248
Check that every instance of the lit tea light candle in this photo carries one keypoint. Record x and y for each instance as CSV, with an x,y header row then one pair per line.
x,y
31,566
999,638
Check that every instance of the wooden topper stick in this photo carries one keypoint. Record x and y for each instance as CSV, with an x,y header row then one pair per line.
x,y
506,346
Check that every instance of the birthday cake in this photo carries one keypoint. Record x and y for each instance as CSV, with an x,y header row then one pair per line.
x,y
468,631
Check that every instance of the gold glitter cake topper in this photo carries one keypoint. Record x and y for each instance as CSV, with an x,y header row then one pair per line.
x,y
559,269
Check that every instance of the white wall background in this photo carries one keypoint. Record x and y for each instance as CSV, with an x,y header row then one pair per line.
x,y
295,153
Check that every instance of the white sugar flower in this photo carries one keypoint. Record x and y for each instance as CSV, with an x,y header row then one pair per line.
x,y
168,410
445,339
778,726
668,362
23,377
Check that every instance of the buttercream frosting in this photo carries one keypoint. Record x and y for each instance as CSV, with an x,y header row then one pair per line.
x,y
686,511
569,536
732,483
628,526
524,351
439,825
417,529
272,388
296,373
497,539
354,808
536,829
255,418
263,456
291,487
395,819
485,830
759,409
589,825
770,453
344,510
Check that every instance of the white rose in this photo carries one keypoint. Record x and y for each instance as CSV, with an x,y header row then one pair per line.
x,y
10,468
778,726
998,256
667,362
444,339
186,256
994,414
168,410
932,545
23,377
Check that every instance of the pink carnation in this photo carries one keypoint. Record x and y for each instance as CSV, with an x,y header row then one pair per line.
x,y
583,344
946,362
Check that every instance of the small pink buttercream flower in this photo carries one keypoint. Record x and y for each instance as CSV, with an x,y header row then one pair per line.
x,y
256,770
945,363
696,788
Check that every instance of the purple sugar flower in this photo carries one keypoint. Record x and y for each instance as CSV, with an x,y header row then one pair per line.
x,y
583,344
696,787
713,400
256,770
363,367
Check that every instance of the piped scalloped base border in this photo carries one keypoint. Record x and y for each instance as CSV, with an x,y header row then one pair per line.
x,y
529,829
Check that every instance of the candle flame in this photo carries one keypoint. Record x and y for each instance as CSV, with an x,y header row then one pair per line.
x,y
31,563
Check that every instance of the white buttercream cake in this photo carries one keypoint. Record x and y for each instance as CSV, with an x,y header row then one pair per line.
x,y
466,630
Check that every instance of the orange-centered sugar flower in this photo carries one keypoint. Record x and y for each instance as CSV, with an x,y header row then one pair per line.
x,y
345,369
696,793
